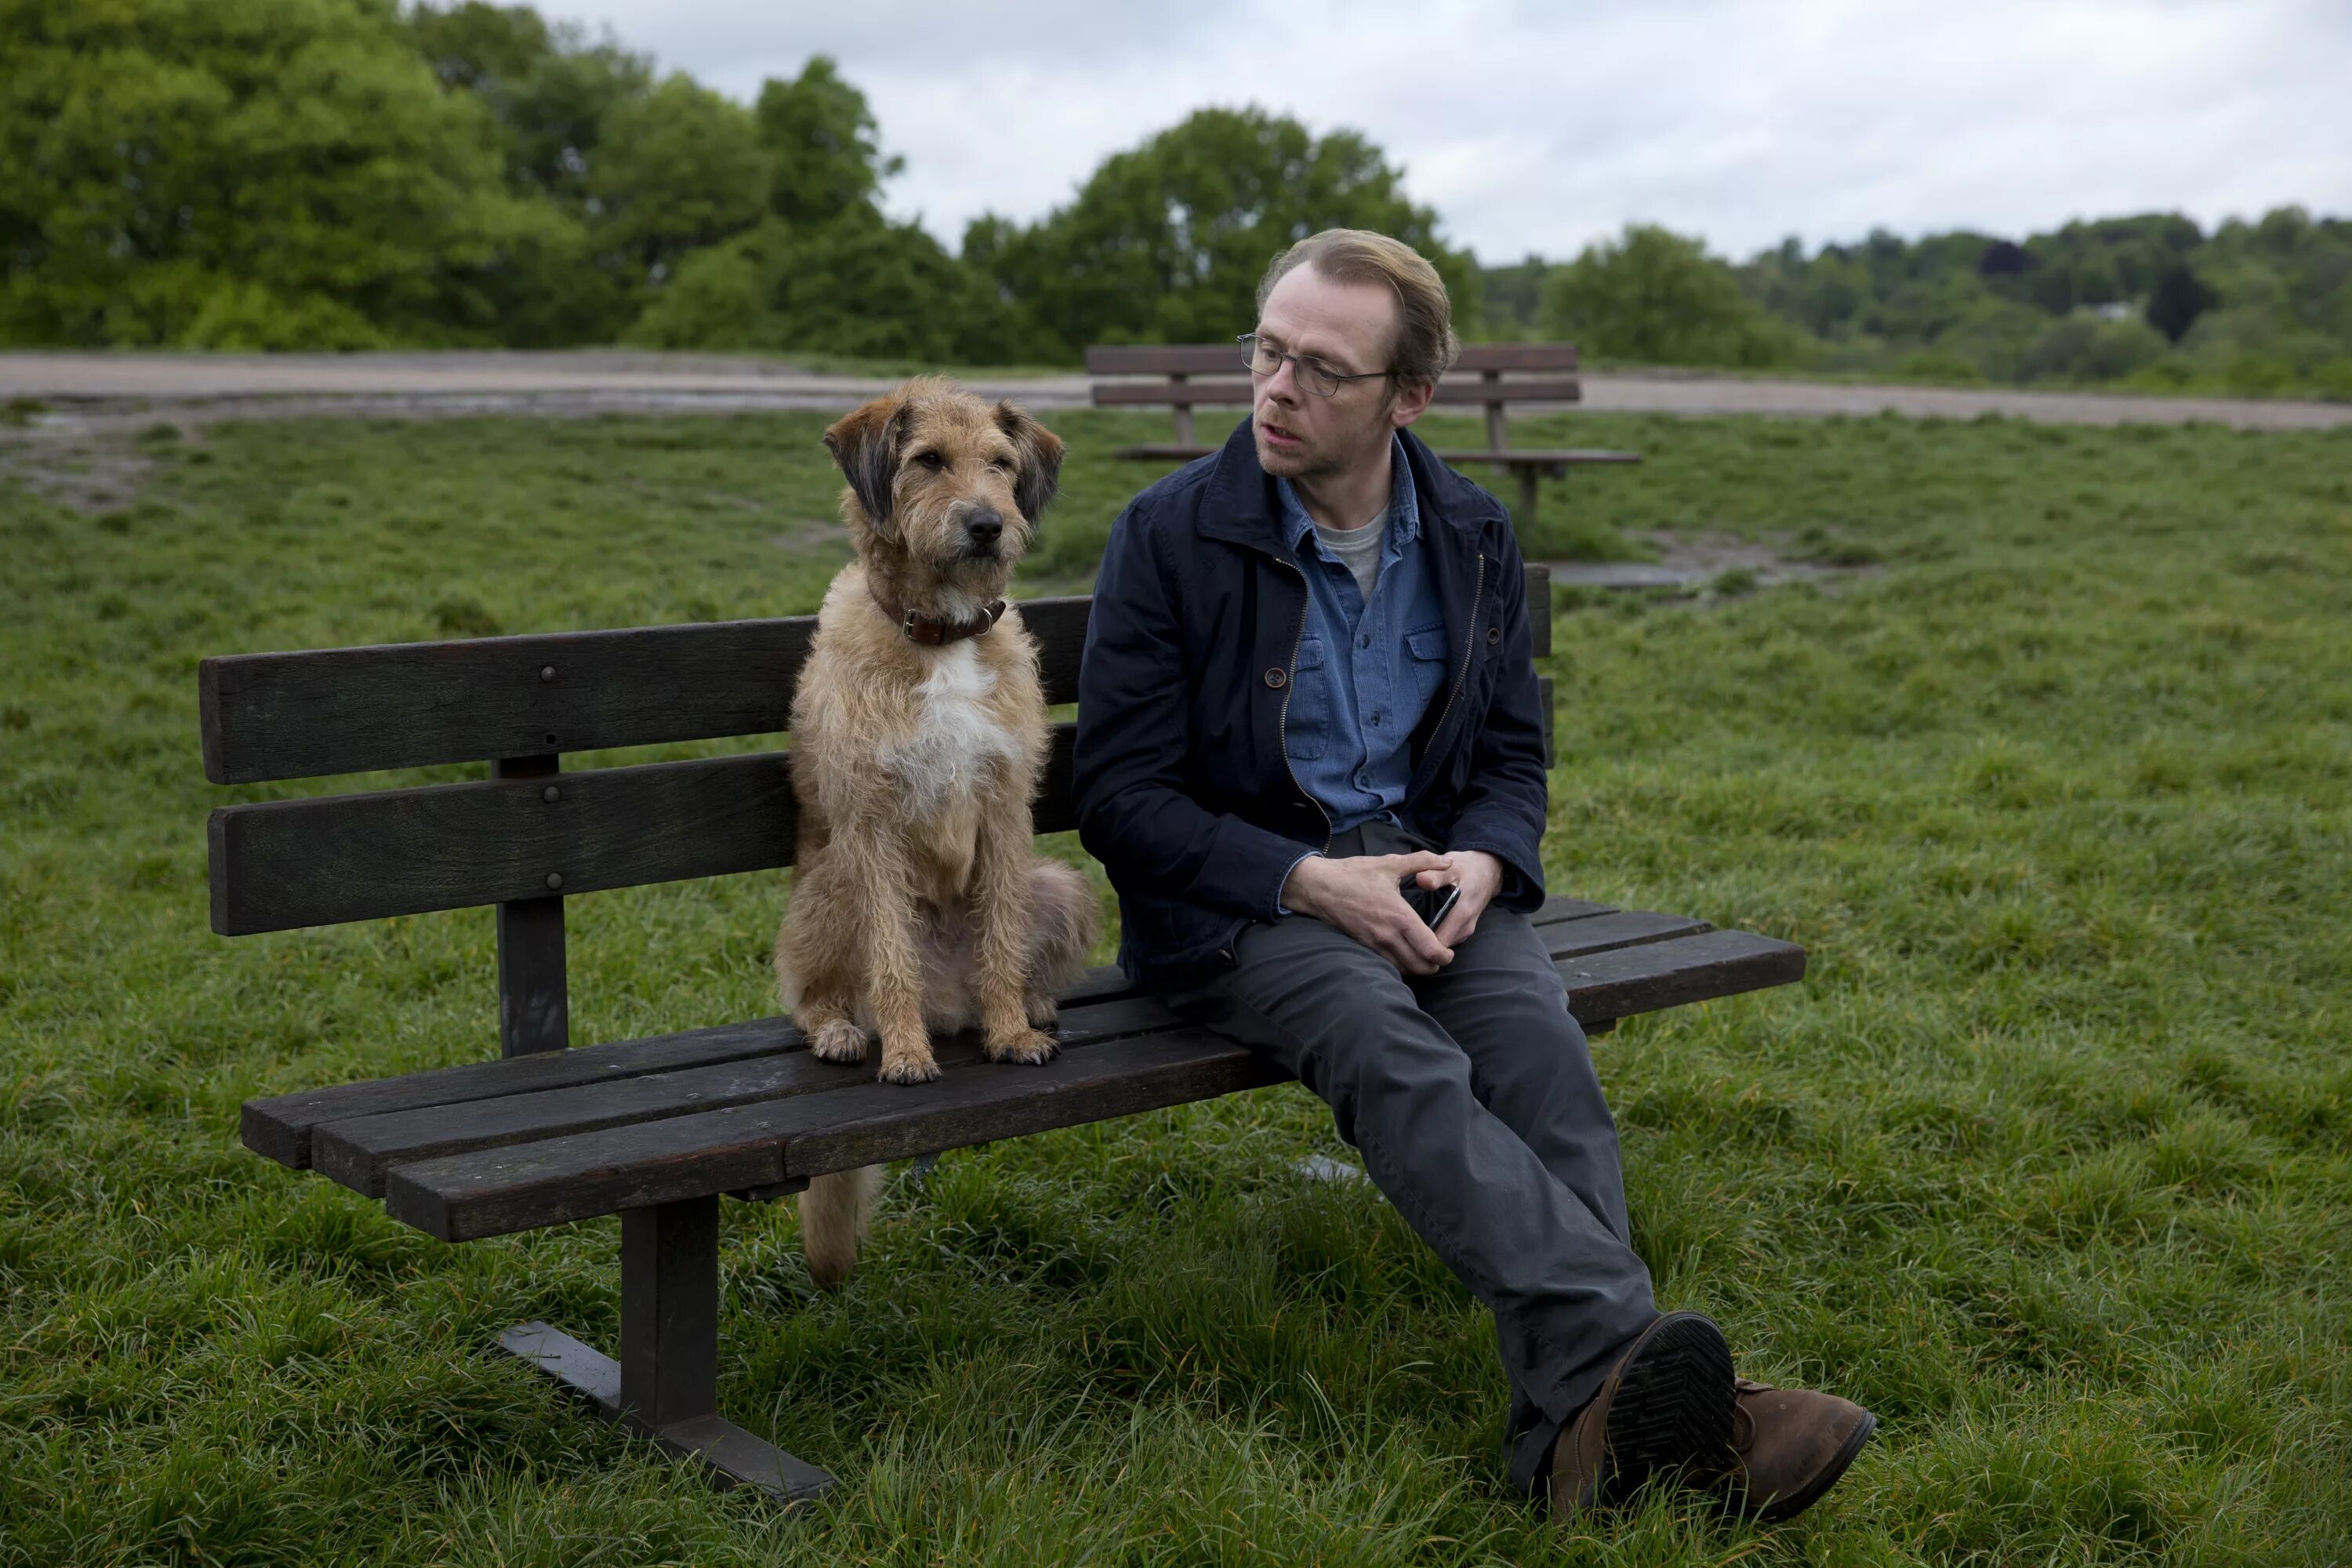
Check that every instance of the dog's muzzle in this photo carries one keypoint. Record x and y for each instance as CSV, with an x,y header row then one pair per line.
x,y
983,533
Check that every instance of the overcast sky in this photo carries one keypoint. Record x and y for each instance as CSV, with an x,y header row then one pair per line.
x,y
1536,127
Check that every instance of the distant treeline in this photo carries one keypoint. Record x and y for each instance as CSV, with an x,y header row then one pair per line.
x,y
355,174
2152,302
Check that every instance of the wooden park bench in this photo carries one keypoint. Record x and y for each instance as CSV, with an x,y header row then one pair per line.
x,y
656,1130
1484,374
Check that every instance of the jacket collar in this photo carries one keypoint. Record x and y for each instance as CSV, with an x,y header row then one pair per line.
x,y
1240,504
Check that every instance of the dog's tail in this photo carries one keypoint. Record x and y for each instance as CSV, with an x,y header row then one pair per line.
x,y
835,1213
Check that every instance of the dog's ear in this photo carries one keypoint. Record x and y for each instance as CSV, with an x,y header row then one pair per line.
x,y
1041,460
866,443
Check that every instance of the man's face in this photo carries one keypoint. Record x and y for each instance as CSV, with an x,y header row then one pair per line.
x,y
1351,327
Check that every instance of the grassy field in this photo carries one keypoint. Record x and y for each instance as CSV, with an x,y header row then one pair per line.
x,y
2049,1161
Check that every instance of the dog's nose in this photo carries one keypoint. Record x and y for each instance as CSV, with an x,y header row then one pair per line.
x,y
984,527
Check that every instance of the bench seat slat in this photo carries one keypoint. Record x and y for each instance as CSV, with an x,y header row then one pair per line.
x,y
492,1192
279,1126
358,1151
513,1187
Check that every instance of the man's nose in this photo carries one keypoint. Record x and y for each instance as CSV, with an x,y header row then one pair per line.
x,y
984,526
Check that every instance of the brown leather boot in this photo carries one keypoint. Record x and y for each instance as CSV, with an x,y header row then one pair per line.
x,y
1789,1446
1666,1406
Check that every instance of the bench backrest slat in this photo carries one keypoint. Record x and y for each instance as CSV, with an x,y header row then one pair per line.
x,y
281,864
1235,392
276,865
1207,359
403,705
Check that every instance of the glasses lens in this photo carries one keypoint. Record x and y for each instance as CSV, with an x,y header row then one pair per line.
x,y
1317,377
1256,355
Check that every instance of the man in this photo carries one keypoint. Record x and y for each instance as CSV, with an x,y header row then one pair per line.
x,y
1308,717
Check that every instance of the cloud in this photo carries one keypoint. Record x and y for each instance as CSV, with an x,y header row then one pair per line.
x,y
1534,127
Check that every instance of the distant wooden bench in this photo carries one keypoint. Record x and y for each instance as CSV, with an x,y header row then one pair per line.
x,y
656,1130
1196,376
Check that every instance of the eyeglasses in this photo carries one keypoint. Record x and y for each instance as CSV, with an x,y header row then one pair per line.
x,y
1313,375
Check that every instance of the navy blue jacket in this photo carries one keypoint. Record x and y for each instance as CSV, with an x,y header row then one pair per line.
x,y
1184,788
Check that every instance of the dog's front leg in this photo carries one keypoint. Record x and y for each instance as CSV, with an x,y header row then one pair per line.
x,y
894,973
1001,897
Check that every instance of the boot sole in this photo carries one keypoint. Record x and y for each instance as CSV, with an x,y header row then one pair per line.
x,y
1673,1404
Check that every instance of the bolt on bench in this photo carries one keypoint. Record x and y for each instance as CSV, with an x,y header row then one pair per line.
x,y
656,1130
1478,376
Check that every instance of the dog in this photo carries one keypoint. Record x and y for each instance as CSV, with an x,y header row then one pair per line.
x,y
919,904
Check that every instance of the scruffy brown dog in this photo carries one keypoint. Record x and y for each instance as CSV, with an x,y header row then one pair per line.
x,y
918,729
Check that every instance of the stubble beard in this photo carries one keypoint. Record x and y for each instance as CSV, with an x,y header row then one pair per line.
x,y
1313,461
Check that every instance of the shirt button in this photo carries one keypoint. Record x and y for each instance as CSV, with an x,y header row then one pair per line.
x,y
1366,642
1493,636
1375,721
1275,678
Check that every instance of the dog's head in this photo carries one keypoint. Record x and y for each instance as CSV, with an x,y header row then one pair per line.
x,y
947,483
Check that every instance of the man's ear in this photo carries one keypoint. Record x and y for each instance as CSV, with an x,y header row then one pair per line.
x,y
864,443
1041,460
1411,402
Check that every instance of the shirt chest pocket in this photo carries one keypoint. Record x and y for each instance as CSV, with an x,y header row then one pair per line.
x,y
1425,663
1307,716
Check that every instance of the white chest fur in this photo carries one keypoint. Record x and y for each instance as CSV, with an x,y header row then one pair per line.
x,y
956,739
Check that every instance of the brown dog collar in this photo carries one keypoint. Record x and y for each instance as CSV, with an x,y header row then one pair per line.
x,y
931,631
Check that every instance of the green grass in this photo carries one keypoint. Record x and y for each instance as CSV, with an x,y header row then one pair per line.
x,y
2046,1161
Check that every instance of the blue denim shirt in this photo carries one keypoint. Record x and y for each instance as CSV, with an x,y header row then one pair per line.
x,y
1366,671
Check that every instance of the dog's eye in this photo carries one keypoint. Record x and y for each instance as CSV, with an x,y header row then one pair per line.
x,y
1001,465
932,461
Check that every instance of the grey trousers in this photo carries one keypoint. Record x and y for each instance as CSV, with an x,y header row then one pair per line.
x,y
1472,1096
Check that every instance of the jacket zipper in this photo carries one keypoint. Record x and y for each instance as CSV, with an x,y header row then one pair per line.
x,y
1290,682
1477,602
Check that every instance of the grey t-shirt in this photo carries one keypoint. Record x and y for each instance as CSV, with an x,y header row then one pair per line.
x,y
1359,549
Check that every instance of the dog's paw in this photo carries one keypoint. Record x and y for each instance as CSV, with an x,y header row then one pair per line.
x,y
907,1066
1029,1047
838,1040
1043,1011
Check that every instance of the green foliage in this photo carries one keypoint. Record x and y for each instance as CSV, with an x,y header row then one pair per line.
x,y
1655,298
675,169
2178,300
860,285
1166,243
2044,1160
826,142
2264,306
251,174
473,41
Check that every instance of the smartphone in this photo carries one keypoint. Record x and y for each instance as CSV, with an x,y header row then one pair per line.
x,y
1434,904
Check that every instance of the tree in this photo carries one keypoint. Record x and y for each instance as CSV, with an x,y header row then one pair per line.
x,y
825,143
1166,243
860,285
237,172
553,116
1655,298
2178,299
678,168
472,42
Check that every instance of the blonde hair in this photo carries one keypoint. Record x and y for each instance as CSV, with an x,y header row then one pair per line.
x,y
1425,346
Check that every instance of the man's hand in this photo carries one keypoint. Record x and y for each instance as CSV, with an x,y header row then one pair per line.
x,y
1481,878
1358,895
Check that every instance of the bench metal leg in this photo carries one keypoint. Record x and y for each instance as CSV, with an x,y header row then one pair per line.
x,y
666,1384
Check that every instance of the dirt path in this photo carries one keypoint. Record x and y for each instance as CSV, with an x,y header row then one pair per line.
x,y
103,388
